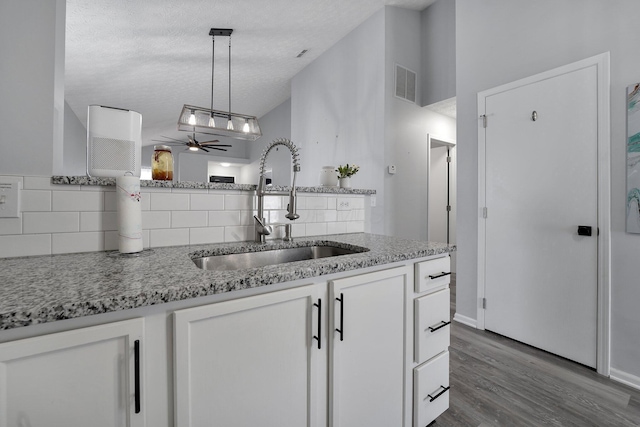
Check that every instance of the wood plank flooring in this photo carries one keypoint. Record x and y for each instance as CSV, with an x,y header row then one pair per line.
x,y
496,381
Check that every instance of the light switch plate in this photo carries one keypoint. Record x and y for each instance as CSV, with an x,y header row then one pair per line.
x,y
9,199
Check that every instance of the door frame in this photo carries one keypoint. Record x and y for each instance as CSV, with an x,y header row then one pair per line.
x,y
601,62
442,142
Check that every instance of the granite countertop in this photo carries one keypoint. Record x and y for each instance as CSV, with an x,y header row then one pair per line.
x,y
89,180
49,288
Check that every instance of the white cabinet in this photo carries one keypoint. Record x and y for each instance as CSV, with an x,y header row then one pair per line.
x,y
263,360
431,340
367,350
85,377
250,362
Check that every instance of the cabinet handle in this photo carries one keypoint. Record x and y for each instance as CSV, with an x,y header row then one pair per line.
x,y
435,276
341,330
136,362
442,324
432,398
319,337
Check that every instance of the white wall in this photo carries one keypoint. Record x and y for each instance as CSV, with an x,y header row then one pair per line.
x,y
32,86
275,124
438,47
337,110
406,129
75,144
499,41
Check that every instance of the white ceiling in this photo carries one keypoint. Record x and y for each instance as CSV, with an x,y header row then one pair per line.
x,y
153,56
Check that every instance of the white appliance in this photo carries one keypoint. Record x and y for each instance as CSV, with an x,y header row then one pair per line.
x,y
114,141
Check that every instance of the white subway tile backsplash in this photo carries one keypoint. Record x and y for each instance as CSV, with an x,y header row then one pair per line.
x,y
336,227
355,227
186,219
316,203
199,236
10,226
168,237
44,183
25,245
222,218
50,222
238,201
111,202
332,202
111,240
316,229
169,202
36,201
69,201
238,234
63,243
98,221
207,202
75,218
156,219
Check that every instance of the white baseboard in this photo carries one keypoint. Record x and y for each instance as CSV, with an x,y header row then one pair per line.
x,y
624,378
465,320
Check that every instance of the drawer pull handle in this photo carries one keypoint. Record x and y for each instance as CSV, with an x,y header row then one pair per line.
x,y
319,337
341,330
442,324
436,276
136,364
432,398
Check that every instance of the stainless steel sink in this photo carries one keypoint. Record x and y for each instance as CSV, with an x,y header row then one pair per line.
x,y
271,257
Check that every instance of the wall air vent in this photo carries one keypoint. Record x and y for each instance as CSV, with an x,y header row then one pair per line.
x,y
405,84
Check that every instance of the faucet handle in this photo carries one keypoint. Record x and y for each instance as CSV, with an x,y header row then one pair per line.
x,y
261,227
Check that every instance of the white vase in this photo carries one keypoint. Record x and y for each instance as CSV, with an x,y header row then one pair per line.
x,y
328,176
345,182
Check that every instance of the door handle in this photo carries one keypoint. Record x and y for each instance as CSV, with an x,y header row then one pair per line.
x,y
584,230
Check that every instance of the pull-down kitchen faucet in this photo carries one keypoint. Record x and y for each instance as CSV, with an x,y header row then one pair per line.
x,y
262,228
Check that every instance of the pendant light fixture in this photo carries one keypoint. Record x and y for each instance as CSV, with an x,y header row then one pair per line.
x,y
216,122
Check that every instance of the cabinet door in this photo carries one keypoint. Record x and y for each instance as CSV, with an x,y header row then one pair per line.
x,y
84,377
367,357
249,362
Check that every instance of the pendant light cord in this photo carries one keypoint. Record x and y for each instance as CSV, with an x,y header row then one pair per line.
x,y
213,54
229,76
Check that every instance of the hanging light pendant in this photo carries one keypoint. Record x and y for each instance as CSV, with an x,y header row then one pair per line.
x,y
216,122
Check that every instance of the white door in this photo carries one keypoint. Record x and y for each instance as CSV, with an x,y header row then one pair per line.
x,y
84,377
367,349
541,185
250,362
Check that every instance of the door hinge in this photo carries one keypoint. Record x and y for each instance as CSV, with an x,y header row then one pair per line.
x,y
484,303
484,212
448,208
448,159
484,120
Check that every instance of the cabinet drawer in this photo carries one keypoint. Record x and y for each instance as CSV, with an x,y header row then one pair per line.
x,y
432,274
430,390
431,327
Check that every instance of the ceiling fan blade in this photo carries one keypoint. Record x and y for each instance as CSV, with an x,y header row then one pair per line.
x,y
217,145
204,149
210,142
216,148
173,139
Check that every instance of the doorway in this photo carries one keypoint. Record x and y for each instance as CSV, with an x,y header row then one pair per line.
x,y
441,218
543,174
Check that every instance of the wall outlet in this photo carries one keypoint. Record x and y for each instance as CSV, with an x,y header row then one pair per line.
x,y
373,201
392,169
9,199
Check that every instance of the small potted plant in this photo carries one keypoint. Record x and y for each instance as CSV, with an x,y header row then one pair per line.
x,y
345,173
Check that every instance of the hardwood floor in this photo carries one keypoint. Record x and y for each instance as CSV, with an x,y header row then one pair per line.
x,y
496,381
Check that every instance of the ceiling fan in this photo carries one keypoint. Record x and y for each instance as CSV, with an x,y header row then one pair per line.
x,y
194,145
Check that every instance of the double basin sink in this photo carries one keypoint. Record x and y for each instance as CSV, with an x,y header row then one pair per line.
x,y
262,258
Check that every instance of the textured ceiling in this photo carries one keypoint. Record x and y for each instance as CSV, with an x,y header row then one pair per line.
x,y
448,107
153,56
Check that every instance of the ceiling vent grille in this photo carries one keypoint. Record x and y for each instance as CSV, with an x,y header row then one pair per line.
x,y
405,84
